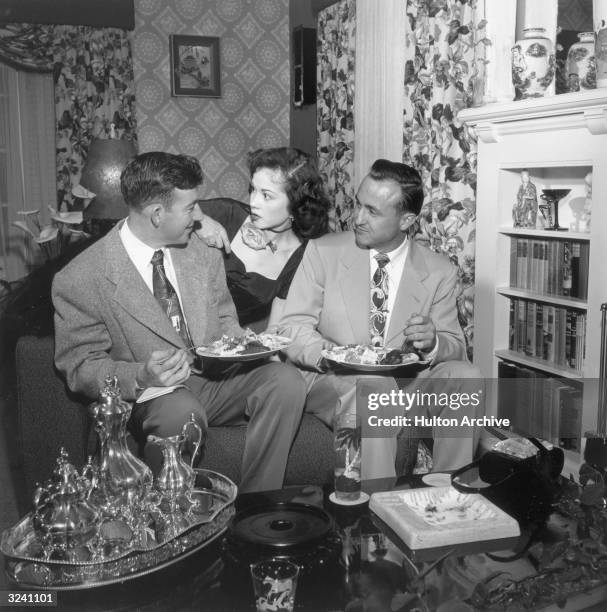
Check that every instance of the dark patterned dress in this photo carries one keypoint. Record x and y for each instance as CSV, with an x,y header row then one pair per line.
x,y
252,293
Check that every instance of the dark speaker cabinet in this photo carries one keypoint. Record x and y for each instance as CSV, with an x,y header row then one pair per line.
x,y
304,66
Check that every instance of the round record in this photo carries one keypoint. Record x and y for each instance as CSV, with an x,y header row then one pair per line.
x,y
281,524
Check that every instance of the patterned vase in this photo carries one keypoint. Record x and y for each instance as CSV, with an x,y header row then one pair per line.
x,y
599,15
533,64
581,63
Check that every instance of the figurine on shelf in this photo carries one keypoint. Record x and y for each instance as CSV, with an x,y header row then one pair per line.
x,y
584,224
524,213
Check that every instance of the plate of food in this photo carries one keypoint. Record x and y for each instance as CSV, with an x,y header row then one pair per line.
x,y
249,347
367,358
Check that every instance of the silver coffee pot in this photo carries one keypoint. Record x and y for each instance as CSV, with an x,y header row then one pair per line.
x,y
123,481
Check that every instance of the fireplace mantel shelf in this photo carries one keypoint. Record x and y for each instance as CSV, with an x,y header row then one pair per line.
x,y
565,111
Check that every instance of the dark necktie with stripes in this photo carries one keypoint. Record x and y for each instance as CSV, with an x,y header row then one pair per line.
x,y
379,301
167,297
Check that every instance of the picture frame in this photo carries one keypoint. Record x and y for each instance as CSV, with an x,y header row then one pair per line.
x,y
195,66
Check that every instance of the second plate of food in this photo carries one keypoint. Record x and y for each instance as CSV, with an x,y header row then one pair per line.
x,y
365,358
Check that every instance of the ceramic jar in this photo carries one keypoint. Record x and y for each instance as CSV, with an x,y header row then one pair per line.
x,y
581,63
533,64
599,16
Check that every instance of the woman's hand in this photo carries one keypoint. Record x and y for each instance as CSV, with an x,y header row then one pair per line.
x,y
212,233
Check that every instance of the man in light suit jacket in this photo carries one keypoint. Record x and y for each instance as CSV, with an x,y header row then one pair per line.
x,y
337,299
136,302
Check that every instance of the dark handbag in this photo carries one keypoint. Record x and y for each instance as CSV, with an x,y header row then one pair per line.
x,y
526,488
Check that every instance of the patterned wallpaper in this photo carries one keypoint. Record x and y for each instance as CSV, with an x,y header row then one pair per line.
x,y
253,111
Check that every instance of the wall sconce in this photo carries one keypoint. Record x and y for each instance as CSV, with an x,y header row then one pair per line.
x,y
101,175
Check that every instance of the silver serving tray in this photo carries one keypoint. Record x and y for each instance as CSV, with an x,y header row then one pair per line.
x,y
58,575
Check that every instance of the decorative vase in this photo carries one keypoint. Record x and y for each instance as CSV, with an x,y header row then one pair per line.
x,y
581,63
533,64
599,15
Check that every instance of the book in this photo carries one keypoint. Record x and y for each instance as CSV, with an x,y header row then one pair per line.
x,y
523,277
575,268
521,327
432,519
512,339
566,274
549,340
514,253
539,331
153,392
530,332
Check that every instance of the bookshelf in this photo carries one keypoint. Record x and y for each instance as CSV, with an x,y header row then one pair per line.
x,y
558,140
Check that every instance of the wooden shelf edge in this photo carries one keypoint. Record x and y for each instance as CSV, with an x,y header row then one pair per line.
x,y
544,234
577,303
539,364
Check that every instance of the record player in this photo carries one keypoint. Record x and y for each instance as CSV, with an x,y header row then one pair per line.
x,y
299,532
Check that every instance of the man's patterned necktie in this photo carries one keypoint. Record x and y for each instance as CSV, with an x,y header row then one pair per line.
x,y
379,301
167,297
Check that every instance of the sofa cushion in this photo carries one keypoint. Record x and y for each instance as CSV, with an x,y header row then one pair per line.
x,y
50,417
310,460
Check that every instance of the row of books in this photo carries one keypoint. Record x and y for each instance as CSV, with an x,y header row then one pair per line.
x,y
551,267
542,406
553,333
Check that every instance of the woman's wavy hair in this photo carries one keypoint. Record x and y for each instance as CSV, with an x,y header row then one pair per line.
x,y
308,201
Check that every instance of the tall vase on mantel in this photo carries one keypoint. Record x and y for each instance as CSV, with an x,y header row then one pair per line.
x,y
581,63
599,15
533,64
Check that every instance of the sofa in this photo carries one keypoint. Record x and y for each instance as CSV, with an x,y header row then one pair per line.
x,y
50,417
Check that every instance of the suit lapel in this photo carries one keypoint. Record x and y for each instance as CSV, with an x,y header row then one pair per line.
x,y
356,290
191,270
411,291
133,294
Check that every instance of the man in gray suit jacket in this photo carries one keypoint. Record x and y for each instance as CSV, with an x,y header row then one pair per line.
x,y
374,285
133,305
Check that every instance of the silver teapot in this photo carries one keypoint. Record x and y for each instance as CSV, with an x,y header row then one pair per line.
x,y
176,477
63,518
122,481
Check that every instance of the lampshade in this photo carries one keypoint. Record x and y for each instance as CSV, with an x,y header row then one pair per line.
x,y
101,174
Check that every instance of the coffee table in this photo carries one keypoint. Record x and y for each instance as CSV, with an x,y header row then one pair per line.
x,y
371,571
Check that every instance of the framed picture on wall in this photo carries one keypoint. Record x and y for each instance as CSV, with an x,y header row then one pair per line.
x,y
195,68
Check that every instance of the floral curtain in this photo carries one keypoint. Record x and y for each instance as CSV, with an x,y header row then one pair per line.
x,y
335,106
444,66
94,87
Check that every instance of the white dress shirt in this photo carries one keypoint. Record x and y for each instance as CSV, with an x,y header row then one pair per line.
x,y
394,268
141,256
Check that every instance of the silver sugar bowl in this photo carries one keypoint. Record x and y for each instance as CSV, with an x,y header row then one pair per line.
x,y
63,518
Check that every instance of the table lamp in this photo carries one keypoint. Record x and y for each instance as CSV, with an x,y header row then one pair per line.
x,y
101,175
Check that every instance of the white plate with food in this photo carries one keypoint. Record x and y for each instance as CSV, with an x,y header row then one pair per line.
x,y
248,347
367,358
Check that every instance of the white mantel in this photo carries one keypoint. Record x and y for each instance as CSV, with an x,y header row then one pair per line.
x,y
561,112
